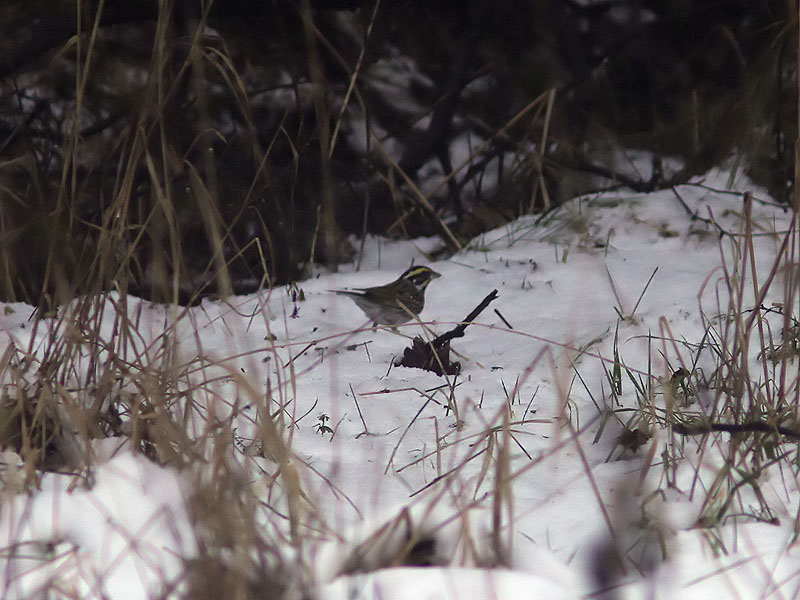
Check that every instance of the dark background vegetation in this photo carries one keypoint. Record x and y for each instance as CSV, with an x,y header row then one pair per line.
x,y
180,148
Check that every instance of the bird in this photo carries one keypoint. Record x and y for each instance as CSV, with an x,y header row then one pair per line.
x,y
397,302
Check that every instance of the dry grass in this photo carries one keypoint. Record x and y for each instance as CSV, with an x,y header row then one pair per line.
x,y
94,371
91,371
722,422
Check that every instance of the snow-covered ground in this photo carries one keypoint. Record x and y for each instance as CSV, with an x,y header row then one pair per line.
x,y
511,470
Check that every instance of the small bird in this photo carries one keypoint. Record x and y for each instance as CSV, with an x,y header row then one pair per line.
x,y
397,302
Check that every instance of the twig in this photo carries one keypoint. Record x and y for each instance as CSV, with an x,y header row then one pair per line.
x,y
458,330
360,414
503,319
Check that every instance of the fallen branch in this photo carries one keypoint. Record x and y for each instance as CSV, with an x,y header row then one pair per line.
x,y
702,427
434,356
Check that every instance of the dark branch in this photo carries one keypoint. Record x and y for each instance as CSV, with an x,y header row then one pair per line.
x,y
434,356
701,428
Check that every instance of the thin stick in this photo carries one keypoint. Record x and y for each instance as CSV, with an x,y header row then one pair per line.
x,y
503,319
360,414
646,285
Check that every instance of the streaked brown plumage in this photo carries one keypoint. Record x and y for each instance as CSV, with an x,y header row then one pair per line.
x,y
396,302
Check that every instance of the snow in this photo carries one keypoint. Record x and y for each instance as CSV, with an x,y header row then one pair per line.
x,y
125,534
428,454
444,584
